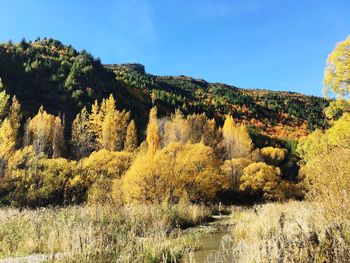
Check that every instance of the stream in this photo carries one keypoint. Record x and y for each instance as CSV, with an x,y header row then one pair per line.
x,y
209,243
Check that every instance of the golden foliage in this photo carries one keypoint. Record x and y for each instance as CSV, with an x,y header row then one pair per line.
x,y
46,133
153,137
82,136
273,156
131,139
327,167
177,129
263,179
106,164
336,76
175,170
236,139
233,169
108,124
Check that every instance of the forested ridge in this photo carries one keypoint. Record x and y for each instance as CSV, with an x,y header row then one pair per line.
x,y
63,80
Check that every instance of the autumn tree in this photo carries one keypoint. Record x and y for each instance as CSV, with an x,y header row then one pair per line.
x,y
131,138
82,136
273,156
177,129
15,118
7,143
108,124
326,167
262,179
337,77
46,133
58,142
174,171
4,102
153,137
233,170
236,139
197,125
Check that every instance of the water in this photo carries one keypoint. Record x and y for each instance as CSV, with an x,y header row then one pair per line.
x,y
209,243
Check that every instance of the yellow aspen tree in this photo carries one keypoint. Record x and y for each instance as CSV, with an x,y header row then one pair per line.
x,y
4,102
108,140
58,143
108,124
40,131
82,137
15,117
176,130
131,140
336,76
264,179
121,119
236,139
153,138
7,143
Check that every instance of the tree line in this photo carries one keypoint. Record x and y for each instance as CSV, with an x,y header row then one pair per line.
x,y
182,157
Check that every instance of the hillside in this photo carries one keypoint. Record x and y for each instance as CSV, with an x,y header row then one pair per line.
x,y
285,114
46,72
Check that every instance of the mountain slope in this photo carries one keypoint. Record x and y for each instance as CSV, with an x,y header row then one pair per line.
x,y
63,80
285,114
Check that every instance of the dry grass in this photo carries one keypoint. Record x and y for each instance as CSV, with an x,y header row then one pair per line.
x,y
101,233
289,232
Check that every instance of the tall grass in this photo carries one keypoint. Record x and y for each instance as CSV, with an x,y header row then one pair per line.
x,y
290,232
101,233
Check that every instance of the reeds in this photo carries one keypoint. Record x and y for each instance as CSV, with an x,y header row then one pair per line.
x,y
100,233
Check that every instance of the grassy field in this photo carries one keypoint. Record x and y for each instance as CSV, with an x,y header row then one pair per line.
x,y
101,234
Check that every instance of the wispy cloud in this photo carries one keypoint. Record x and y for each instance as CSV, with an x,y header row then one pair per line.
x,y
134,18
225,8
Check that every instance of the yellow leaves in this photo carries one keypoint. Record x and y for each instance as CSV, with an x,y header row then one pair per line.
x,y
153,137
130,143
108,124
273,155
262,178
318,142
173,171
177,129
236,139
7,139
107,164
326,168
82,136
337,72
233,170
46,133
4,102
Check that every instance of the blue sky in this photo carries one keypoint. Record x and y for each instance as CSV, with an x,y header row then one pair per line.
x,y
272,44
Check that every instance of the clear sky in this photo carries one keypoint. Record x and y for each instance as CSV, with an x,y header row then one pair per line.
x,y
272,44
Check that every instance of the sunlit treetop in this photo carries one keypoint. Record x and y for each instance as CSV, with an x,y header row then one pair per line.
x,y
337,72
